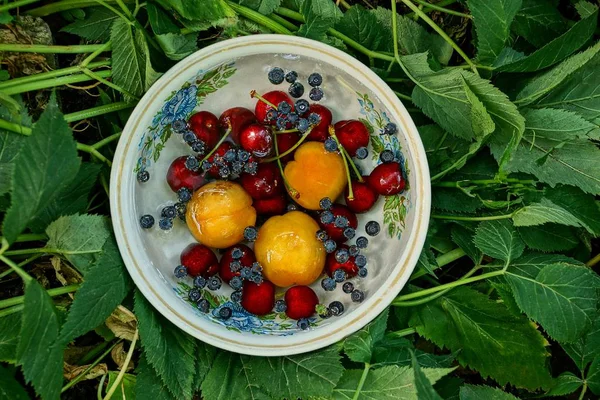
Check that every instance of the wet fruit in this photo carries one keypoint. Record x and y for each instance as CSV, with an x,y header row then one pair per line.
x,y
258,299
387,179
301,302
348,265
257,139
179,175
352,134
286,141
364,196
271,206
199,260
335,226
274,97
217,155
227,270
266,183
238,118
205,126
320,131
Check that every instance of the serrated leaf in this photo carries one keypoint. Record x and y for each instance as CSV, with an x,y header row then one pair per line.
x,y
264,7
593,376
362,26
444,152
160,21
396,351
543,212
37,353
177,47
490,339
96,26
205,356
148,384
565,383
472,392
463,236
425,390
106,285
557,50
10,388
538,21
492,20
454,200
319,16
499,239
37,183
211,11
79,238
10,327
10,144
230,377
169,350
359,347
126,389
581,205
549,237
584,349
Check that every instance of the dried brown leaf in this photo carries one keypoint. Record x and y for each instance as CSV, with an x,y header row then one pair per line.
x,y
122,323
70,372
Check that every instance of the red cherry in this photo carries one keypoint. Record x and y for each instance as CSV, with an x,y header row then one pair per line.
x,y
179,176
333,231
257,139
265,183
275,97
387,179
246,260
331,264
301,302
199,260
272,206
320,132
258,299
219,152
239,118
286,141
205,126
352,134
364,196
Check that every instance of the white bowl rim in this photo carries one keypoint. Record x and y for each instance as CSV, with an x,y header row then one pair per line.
x,y
325,335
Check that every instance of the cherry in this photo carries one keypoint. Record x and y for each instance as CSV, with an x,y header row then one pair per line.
x,y
258,299
387,179
331,264
265,183
320,132
364,196
205,126
301,302
238,118
275,97
199,260
271,206
337,233
179,176
286,141
246,261
219,152
257,139
352,134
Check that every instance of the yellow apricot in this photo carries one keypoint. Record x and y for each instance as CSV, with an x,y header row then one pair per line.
x,y
218,213
314,174
289,251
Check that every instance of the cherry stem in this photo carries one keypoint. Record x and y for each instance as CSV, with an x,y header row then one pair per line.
x,y
253,94
354,167
293,192
220,142
346,167
291,149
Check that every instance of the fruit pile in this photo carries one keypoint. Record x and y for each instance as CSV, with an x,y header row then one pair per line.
x,y
271,178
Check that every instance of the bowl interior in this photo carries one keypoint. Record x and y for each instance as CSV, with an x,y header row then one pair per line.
x,y
223,78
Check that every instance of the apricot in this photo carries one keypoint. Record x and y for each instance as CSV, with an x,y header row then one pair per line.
x,y
314,174
289,251
218,213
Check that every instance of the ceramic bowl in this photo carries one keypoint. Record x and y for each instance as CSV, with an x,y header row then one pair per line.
x,y
219,77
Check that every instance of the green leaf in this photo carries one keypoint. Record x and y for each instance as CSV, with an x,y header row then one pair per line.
x,y
205,355
581,205
450,199
148,385
264,7
463,236
319,16
584,8
593,376
230,378
10,144
9,387
538,21
565,383
160,21
543,212
212,11
80,238
386,383
126,388
490,339
96,26
168,349
300,376
425,390
359,347
557,50
52,147
472,392
492,20
106,285
584,349
397,351
10,327
549,237
177,47
362,26
499,239
37,354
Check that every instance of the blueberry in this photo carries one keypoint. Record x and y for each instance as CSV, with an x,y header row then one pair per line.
x,y
214,283
281,123
362,153
236,296
284,107
169,212
348,287
189,137
243,155
390,129
165,224
246,273
327,217
198,146
276,75
357,296
325,203
236,283
331,145
386,156
315,79
360,261
336,308
340,221
192,163
372,228
143,176
237,167
184,194
303,324
251,168
362,272
230,155
235,266
181,208
236,253
147,221
314,118
257,278
315,94
200,282
291,77
225,313
293,118
256,267
302,106
362,242
179,126
271,114
302,125
353,250
250,233
206,165
330,246
339,275
328,284
203,305
322,235
342,255
292,207
224,172
194,295
296,90
180,271
349,232
280,306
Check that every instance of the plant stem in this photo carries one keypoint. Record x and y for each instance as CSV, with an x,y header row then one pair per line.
x,y
441,261
210,153
283,22
48,250
361,383
50,49
442,9
484,182
12,310
402,96
583,390
293,192
91,57
259,18
13,301
101,79
53,82
20,265
97,111
426,9
87,357
593,261
49,74
91,150
402,333
24,275
89,368
63,5
291,149
29,237
106,140
114,386
460,218
16,4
